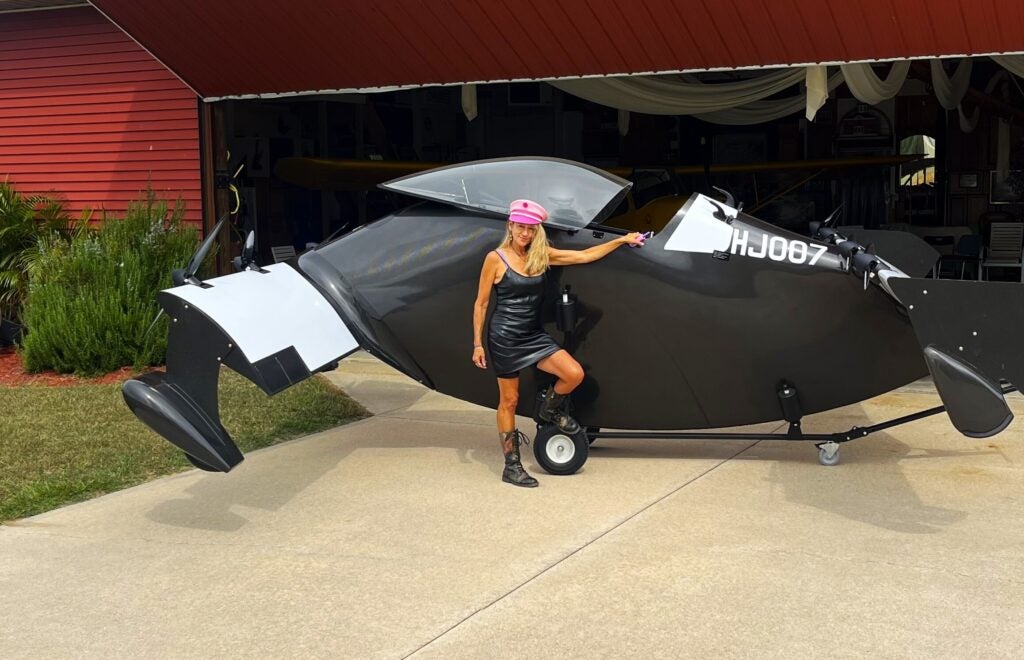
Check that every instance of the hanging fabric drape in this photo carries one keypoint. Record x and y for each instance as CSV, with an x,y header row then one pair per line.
x,y
1012,63
738,103
950,91
746,102
663,95
469,101
623,121
866,87
765,111
817,90
969,122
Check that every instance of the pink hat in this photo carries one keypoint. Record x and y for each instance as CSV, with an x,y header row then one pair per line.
x,y
526,212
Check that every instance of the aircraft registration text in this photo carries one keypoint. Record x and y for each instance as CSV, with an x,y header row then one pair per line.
x,y
775,248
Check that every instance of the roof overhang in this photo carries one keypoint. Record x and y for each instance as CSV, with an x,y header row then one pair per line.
x,y
249,48
10,6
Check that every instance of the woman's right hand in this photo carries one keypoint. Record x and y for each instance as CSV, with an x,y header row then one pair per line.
x,y
479,359
634,238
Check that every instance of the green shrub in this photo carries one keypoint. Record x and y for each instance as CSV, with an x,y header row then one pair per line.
x,y
23,221
92,297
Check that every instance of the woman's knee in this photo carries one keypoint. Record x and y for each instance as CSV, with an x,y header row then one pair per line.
x,y
574,374
509,402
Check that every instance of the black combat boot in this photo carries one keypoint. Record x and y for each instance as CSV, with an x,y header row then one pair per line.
x,y
514,472
552,410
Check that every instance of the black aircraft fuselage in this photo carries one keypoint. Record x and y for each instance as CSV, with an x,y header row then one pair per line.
x,y
668,339
720,320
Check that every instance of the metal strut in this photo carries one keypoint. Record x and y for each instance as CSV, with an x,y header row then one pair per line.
x,y
793,433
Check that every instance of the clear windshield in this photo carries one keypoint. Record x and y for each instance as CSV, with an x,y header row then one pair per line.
x,y
574,194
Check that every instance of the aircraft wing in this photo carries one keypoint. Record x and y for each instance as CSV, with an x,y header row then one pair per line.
x,y
273,326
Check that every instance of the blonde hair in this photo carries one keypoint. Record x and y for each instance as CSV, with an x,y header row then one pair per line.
x,y
537,257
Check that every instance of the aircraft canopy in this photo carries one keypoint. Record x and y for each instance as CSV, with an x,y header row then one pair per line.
x,y
574,195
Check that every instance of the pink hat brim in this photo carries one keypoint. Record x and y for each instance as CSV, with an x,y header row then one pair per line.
x,y
523,219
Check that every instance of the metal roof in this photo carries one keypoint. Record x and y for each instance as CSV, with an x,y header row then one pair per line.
x,y
261,47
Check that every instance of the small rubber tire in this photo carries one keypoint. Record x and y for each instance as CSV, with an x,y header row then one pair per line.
x,y
558,452
827,460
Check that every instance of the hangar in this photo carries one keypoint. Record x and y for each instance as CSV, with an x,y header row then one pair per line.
x,y
907,115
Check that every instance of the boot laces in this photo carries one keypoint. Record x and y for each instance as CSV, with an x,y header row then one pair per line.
x,y
523,440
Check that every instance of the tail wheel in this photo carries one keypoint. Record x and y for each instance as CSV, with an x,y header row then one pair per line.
x,y
559,452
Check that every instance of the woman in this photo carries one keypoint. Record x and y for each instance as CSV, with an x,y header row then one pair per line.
x,y
516,340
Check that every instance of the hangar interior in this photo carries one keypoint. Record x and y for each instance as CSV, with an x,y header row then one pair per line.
x,y
907,163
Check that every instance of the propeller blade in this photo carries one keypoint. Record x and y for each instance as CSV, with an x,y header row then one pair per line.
x,y
247,249
833,216
200,254
244,260
153,324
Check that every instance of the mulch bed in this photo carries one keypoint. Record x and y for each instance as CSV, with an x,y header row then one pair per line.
x,y
12,374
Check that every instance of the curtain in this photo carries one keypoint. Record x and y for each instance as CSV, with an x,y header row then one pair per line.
x,y
738,103
663,95
951,91
969,122
817,90
764,111
469,101
1012,63
866,87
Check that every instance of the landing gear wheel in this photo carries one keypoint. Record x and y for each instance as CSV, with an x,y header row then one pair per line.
x,y
589,430
559,452
199,464
828,453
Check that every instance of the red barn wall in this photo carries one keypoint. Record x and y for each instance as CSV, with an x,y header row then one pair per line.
x,y
88,115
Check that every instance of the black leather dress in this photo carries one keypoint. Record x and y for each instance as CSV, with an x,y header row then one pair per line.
x,y
515,336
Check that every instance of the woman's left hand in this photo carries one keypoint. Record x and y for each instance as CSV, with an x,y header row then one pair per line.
x,y
634,238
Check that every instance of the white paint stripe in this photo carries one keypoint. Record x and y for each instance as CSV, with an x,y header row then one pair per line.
x,y
700,231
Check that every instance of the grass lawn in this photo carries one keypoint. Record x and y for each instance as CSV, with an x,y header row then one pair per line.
x,y
64,444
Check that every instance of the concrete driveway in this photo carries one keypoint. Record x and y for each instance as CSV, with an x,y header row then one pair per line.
x,y
394,536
